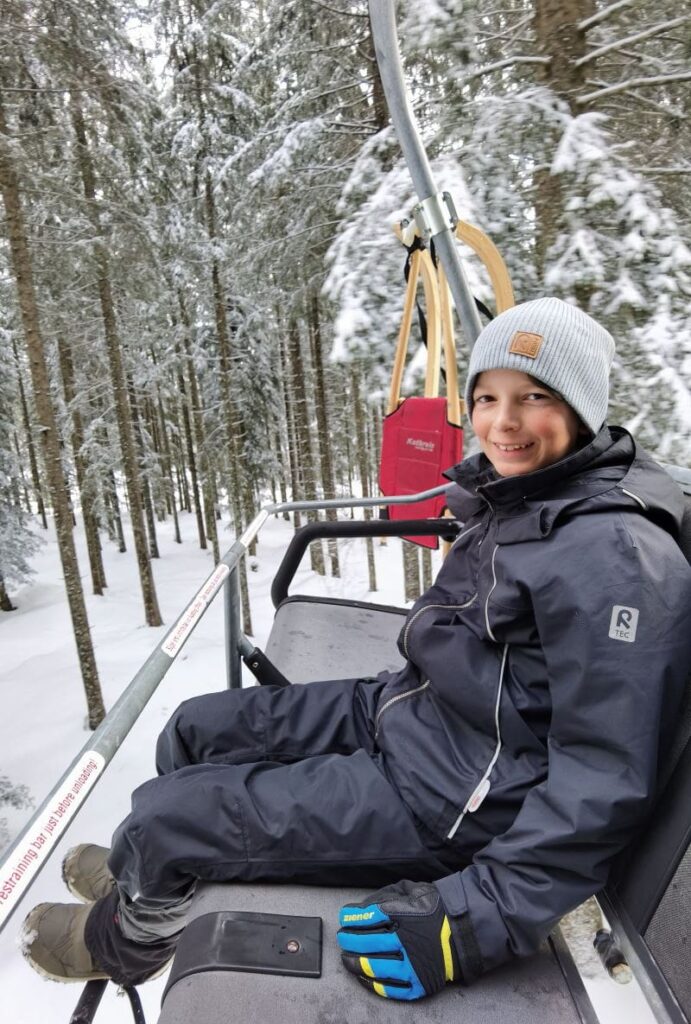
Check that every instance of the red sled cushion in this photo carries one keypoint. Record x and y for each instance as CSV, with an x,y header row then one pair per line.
x,y
418,443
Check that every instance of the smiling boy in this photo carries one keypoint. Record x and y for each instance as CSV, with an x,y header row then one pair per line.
x,y
522,424
498,773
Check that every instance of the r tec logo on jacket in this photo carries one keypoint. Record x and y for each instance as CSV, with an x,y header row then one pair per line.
x,y
623,624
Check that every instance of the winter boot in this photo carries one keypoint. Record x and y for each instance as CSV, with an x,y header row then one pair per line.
x,y
58,938
53,942
85,872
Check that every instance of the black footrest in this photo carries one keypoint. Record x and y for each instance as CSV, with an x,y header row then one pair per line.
x,y
237,940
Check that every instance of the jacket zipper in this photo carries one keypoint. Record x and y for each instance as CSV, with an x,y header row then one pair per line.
x,y
465,532
635,497
490,592
395,700
483,786
428,607
488,523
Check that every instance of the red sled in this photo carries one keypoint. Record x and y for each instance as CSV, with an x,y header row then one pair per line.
x,y
422,436
418,444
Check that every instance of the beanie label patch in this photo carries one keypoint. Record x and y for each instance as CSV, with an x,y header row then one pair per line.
x,y
523,343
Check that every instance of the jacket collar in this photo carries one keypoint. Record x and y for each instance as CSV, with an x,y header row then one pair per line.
x,y
610,472
528,505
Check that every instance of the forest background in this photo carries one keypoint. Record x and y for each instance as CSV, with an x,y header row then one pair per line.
x,y
200,290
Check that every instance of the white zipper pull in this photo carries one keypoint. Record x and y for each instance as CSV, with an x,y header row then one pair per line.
x,y
474,801
478,796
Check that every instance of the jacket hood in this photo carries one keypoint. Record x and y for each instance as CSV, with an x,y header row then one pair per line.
x,y
610,472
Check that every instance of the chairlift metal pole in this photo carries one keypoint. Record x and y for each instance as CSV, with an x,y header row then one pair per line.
x,y
233,629
434,213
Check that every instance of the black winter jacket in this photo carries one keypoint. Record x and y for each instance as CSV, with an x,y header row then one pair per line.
x,y
545,670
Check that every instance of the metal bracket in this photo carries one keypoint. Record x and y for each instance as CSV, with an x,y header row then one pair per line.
x,y
435,214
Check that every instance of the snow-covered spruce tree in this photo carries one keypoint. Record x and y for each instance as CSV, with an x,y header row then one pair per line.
x,y
18,73
608,240
92,145
84,123
23,272
314,72
620,253
208,120
564,119
18,542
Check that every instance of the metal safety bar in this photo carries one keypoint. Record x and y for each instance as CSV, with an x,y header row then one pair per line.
x,y
31,850
434,212
302,538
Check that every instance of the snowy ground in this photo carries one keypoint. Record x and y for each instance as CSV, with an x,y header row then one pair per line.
x,y
43,722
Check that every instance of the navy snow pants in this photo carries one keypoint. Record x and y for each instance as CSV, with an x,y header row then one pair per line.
x,y
275,784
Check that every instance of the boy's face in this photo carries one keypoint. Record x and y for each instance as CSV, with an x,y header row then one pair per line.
x,y
521,425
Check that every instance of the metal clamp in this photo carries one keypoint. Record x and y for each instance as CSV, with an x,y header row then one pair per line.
x,y
435,214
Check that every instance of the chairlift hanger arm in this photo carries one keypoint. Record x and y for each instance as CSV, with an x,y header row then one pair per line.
x,y
383,22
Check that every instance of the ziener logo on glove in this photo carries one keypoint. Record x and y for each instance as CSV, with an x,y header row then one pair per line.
x,y
358,917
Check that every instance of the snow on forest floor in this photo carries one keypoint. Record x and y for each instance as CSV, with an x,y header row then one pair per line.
x,y
43,721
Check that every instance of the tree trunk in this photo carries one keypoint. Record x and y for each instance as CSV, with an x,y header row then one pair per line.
x,y
109,491
160,492
323,433
183,485
5,603
168,470
191,458
376,435
239,491
114,502
302,435
93,542
379,106
411,571
279,455
23,273
33,461
144,482
117,373
363,464
234,429
559,38
25,489
286,386
426,560
200,436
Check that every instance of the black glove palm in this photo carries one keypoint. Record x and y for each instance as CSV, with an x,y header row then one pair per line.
x,y
398,941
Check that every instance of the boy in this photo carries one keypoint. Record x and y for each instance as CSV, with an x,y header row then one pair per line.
x,y
501,769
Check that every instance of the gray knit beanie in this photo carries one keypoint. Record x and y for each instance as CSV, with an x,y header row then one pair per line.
x,y
556,343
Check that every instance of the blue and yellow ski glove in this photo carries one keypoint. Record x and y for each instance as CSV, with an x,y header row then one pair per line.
x,y
398,941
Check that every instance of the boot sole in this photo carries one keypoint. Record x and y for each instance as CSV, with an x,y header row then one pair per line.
x,y
61,978
83,979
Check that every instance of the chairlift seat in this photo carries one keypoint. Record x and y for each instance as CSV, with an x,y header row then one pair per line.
x,y
533,991
322,638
